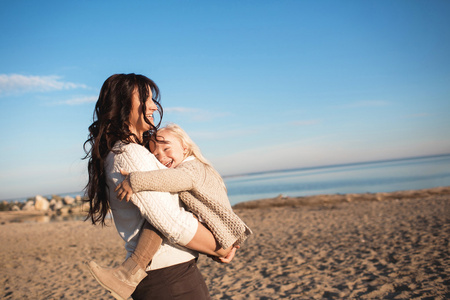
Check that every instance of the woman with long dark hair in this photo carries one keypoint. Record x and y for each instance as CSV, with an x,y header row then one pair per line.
x,y
123,122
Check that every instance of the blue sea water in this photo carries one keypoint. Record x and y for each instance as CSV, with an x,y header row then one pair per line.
x,y
372,177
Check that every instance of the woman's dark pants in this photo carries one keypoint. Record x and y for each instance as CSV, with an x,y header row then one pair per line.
x,y
182,282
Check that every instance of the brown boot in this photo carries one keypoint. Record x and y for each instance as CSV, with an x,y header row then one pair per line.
x,y
121,281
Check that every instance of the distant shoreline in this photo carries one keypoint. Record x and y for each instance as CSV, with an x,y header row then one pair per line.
x,y
332,199
24,199
334,165
49,196
280,201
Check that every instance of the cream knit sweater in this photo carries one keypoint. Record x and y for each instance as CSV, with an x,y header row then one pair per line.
x,y
163,210
203,194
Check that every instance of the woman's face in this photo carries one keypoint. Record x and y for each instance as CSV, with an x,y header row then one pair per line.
x,y
172,152
137,122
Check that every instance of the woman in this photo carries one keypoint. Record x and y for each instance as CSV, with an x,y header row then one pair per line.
x,y
123,121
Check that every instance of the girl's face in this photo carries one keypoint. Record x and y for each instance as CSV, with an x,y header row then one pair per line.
x,y
170,153
136,119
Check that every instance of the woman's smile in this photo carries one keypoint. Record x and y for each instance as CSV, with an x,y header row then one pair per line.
x,y
150,118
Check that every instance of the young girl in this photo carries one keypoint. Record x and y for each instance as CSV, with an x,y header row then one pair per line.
x,y
200,187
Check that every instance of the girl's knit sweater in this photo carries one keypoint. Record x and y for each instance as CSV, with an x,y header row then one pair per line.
x,y
203,193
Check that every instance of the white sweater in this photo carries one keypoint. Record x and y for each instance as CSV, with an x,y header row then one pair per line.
x,y
163,210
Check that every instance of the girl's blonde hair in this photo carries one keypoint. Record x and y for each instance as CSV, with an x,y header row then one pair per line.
x,y
192,148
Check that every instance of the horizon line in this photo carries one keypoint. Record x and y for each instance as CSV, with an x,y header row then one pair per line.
x,y
81,193
334,165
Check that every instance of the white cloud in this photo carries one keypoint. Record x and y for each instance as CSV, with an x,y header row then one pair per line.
x,y
195,114
180,110
276,157
419,115
79,100
325,150
16,83
306,122
221,135
368,103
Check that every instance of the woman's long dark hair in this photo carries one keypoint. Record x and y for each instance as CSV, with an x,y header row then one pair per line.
x,y
111,124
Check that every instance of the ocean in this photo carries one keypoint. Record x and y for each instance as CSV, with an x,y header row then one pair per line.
x,y
380,176
370,177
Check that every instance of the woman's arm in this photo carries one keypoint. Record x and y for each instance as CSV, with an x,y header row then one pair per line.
x,y
161,210
204,242
177,224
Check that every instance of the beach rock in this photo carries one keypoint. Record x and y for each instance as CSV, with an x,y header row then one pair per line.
x,y
380,196
57,197
85,207
59,204
52,203
15,208
5,206
68,200
28,206
77,210
56,204
63,211
281,196
78,198
41,203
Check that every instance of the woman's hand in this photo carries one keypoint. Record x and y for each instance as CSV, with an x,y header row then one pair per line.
x,y
227,259
124,190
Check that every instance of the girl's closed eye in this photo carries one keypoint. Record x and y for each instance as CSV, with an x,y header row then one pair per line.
x,y
171,149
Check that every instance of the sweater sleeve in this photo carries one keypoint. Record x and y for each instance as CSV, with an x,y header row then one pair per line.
x,y
167,216
166,180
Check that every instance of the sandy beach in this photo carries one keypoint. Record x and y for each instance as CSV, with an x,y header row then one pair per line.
x,y
358,246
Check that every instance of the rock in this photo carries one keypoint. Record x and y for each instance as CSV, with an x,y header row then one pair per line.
x,y
69,200
380,196
57,197
78,199
56,204
41,203
77,210
15,208
59,204
63,211
5,206
28,206
85,207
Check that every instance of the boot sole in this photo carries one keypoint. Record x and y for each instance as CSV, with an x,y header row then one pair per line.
x,y
114,294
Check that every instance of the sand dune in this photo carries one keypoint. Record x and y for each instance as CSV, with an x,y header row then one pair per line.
x,y
368,246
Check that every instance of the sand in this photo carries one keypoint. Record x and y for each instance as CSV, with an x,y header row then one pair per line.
x,y
368,246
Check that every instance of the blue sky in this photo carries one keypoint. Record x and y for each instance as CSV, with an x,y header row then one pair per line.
x,y
259,85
